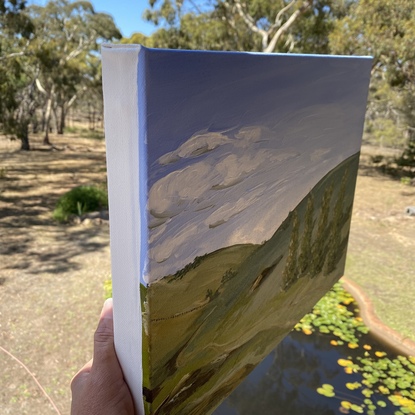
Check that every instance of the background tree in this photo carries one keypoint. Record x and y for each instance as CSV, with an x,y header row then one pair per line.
x,y
67,35
384,29
16,88
257,25
49,58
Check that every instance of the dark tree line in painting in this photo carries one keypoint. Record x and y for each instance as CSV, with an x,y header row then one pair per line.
x,y
243,300
312,252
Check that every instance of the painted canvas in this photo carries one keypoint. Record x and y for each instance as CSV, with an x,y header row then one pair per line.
x,y
231,183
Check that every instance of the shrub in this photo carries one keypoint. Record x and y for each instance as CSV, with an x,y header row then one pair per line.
x,y
108,288
80,200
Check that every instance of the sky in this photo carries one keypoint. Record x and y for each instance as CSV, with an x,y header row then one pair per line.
x,y
236,141
127,14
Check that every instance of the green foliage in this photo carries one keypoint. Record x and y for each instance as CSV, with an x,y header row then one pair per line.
x,y
384,29
332,315
182,272
3,173
107,288
326,390
392,377
48,61
85,133
319,245
137,38
290,272
211,295
408,157
13,21
386,119
306,240
228,275
406,181
16,88
257,25
338,221
80,200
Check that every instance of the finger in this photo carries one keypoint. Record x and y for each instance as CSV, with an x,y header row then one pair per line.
x,y
86,368
79,379
104,351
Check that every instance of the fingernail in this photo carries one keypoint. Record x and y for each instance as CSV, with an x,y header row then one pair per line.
x,y
107,309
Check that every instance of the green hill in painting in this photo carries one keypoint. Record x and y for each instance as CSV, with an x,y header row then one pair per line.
x,y
210,324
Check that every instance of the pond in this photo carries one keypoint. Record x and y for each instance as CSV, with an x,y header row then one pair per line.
x,y
286,381
315,373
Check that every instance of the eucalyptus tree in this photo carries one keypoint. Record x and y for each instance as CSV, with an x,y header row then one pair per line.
x,y
16,87
67,37
49,58
257,25
384,29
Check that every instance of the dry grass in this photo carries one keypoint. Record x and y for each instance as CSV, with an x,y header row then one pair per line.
x,y
51,276
382,245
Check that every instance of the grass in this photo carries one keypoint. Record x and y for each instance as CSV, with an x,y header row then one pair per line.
x,y
372,271
86,133
80,200
207,332
381,247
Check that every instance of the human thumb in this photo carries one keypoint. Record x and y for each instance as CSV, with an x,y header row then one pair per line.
x,y
104,351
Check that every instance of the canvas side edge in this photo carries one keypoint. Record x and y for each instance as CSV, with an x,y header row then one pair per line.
x,y
121,108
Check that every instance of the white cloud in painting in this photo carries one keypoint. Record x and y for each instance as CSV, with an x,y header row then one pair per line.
x,y
164,250
319,154
198,144
230,209
236,167
235,187
171,195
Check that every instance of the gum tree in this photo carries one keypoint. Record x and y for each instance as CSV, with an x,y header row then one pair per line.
x,y
255,25
384,29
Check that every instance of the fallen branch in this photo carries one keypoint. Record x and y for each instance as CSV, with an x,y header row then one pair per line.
x,y
34,378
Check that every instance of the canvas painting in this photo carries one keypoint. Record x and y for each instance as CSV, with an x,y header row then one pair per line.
x,y
248,166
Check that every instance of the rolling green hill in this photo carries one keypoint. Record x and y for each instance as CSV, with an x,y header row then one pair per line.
x,y
210,324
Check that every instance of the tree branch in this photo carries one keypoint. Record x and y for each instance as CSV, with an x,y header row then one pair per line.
x,y
40,87
271,46
249,20
74,97
278,20
11,55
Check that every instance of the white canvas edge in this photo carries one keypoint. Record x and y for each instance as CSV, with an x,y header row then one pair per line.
x,y
121,116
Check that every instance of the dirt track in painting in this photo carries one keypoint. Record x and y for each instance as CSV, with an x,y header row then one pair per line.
x,y
218,317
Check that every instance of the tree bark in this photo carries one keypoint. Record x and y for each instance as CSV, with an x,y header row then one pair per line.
x,y
48,113
61,124
25,144
24,137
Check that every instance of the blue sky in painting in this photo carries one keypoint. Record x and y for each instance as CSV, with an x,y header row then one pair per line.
x,y
235,141
190,91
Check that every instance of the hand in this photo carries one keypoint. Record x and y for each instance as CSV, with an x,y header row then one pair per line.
x,y
99,387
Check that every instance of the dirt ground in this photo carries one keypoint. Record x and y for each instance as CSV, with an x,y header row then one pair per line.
x,y
382,244
51,276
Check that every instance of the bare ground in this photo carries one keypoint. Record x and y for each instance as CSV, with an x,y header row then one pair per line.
x,y
381,254
51,276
